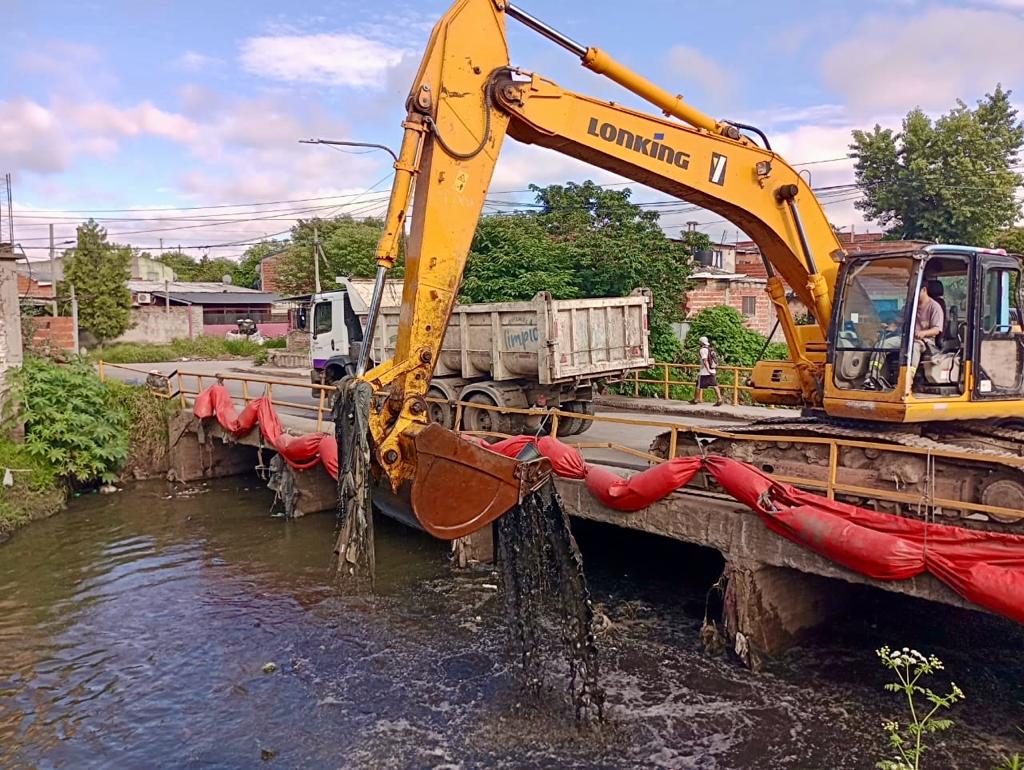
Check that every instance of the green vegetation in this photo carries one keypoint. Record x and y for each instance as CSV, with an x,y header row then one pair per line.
x,y
209,348
99,271
187,268
951,180
147,416
348,247
79,432
908,742
35,492
583,241
735,344
1012,240
72,420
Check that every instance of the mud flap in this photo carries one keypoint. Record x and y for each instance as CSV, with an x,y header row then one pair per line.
x,y
460,487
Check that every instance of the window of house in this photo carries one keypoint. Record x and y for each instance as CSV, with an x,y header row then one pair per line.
x,y
717,258
749,306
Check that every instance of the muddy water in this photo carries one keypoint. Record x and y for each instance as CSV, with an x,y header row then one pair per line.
x,y
134,629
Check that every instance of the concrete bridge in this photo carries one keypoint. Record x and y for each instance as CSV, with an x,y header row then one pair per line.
x,y
776,590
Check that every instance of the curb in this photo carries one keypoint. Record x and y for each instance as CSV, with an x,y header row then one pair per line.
x,y
680,409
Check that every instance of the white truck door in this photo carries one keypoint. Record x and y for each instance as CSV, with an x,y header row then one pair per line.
x,y
327,332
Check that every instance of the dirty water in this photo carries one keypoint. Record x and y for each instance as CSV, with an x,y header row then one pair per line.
x,y
134,631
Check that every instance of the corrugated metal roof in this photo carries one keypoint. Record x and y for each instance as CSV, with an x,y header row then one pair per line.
x,y
193,287
220,298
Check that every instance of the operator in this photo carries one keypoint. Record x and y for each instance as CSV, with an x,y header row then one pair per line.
x,y
928,326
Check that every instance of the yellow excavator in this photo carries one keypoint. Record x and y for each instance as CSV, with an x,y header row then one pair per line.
x,y
865,368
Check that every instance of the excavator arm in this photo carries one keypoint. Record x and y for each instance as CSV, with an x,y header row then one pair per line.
x,y
463,102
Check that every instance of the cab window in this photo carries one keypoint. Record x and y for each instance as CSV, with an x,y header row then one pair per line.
x,y
322,318
1001,338
869,341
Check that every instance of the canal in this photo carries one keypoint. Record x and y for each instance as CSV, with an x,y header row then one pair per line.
x,y
135,630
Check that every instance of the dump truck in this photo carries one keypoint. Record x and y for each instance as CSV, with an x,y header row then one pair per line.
x,y
543,352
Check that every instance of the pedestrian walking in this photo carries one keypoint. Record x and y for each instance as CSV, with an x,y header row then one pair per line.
x,y
707,377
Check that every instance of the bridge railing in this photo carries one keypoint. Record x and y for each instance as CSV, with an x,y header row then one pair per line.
x,y
678,381
828,479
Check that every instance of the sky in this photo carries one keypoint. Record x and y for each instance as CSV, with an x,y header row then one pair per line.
x,y
178,122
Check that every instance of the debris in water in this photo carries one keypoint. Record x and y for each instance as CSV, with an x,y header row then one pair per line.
x,y
544,585
267,754
354,547
108,489
269,667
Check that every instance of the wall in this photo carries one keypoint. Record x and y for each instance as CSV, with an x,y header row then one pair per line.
x,y
712,293
268,273
50,333
155,324
10,318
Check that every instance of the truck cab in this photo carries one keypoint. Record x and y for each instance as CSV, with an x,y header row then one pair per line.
x,y
335,334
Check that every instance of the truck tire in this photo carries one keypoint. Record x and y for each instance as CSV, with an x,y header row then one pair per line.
x,y
442,414
484,420
583,407
569,426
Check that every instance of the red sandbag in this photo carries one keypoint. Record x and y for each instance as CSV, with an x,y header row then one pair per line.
x,y
640,490
986,568
300,452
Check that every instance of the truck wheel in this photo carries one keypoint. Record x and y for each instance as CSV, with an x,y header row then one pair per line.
x,y
438,412
583,407
484,420
569,426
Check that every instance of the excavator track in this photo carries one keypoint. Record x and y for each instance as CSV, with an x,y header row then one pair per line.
x,y
993,478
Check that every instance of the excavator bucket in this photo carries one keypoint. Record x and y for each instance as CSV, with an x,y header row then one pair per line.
x,y
460,487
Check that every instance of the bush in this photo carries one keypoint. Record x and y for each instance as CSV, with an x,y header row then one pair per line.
x,y
148,414
73,421
203,347
735,344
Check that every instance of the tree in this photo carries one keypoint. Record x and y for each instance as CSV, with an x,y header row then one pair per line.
x,y
100,272
246,272
182,264
949,180
615,246
1012,240
348,245
512,258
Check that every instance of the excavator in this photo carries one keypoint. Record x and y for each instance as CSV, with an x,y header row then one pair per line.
x,y
860,369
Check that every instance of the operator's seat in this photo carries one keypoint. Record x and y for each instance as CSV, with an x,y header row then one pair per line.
x,y
937,292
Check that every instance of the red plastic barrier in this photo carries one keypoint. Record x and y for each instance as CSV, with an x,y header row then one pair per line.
x,y
986,568
300,452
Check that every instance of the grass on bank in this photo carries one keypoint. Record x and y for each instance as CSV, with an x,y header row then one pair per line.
x,y
204,347
36,493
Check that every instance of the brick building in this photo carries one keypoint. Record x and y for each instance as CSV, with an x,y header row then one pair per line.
x,y
734,275
268,272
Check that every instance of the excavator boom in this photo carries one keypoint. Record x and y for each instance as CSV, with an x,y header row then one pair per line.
x,y
464,100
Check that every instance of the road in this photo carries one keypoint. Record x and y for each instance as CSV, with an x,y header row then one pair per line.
x,y
638,437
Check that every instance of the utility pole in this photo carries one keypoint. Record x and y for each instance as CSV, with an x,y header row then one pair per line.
x,y
53,272
161,247
74,318
316,259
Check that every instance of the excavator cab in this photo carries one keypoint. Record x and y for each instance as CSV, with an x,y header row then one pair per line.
x,y
926,335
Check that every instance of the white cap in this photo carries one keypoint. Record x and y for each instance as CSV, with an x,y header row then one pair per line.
x,y
704,341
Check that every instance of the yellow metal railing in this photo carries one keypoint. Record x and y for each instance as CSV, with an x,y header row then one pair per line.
x,y
831,485
683,377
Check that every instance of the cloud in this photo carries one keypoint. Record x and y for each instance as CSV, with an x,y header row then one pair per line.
x,y
928,61
193,61
340,59
717,83
31,138
46,139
